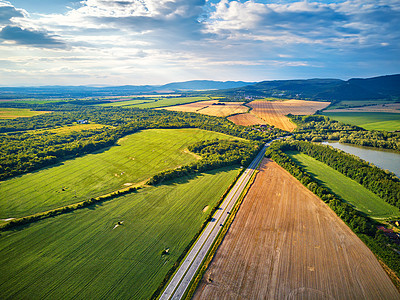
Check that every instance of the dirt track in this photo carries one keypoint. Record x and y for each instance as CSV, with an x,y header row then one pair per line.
x,y
285,243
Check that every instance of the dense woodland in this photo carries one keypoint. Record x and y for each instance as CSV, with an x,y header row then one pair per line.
x,y
319,128
360,224
23,150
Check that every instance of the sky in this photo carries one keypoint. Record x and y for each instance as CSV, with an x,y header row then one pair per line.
x,y
138,42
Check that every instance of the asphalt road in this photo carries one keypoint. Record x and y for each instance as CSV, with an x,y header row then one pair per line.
x,y
181,280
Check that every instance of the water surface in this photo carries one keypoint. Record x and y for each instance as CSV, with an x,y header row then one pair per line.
x,y
386,160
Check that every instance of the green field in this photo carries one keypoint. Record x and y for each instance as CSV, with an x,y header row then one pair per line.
x,y
136,158
368,120
156,102
13,113
80,256
129,102
346,188
358,103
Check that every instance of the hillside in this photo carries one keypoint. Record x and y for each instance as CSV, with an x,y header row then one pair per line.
x,y
383,87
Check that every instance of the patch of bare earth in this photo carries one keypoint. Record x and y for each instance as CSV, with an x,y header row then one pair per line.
x,y
190,107
211,108
274,112
285,243
388,108
247,119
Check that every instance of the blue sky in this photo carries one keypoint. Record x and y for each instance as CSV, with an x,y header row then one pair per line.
x,y
116,42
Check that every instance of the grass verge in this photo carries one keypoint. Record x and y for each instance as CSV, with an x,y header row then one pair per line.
x,y
207,260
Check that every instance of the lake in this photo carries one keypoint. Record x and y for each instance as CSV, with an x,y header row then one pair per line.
x,y
386,160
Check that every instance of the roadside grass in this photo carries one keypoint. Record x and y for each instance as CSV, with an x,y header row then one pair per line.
x,y
82,255
134,159
13,113
368,120
349,190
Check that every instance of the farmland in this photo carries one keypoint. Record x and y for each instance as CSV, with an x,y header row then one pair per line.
x,y
212,108
285,243
368,120
135,158
12,113
155,102
247,119
346,188
83,255
274,112
71,128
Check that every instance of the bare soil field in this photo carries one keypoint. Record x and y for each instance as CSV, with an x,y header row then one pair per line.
x,y
246,119
389,108
285,243
274,112
211,108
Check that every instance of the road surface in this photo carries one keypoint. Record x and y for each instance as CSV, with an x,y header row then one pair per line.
x,y
182,278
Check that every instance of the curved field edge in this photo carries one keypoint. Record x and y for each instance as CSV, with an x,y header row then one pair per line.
x,y
349,190
363,226
13,113
368,120
134,159
286,243
83,254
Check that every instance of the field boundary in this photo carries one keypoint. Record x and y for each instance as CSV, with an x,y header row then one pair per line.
x,y
178,262
210,255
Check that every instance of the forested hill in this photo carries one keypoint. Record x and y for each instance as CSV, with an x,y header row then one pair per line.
x,y
383,87
126,90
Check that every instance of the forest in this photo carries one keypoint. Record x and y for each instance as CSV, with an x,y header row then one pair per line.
x,y
318,128
23,150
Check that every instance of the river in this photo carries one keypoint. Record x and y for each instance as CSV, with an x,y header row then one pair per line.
x,y
386,160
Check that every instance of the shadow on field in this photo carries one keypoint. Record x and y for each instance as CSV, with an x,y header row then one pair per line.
x,y
189,176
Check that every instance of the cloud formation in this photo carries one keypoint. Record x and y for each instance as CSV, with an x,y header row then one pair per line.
x,y
28,37
149,40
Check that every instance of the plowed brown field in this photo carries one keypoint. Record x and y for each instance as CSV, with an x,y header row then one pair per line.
x,y
274,112
285,243
246,119
210,108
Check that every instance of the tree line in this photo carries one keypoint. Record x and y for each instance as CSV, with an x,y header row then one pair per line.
x,y
362,225
23,150
215,154
318,128
383,183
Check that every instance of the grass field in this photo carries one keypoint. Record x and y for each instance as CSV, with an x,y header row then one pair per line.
x,y
285,243
71,128
13,113
368,120
349,190
80,256
352,103
136,158
156,102
129,102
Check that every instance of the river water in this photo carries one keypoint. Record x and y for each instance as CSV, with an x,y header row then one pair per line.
x,y
386,160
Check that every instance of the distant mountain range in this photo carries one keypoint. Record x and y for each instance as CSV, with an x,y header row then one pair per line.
x,y
382,87
126,90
